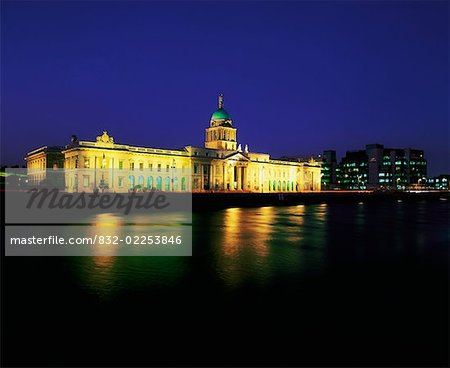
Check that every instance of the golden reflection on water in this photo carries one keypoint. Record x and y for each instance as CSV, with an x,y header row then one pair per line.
x,y
244,244
105,225
104,257
108,272
322,211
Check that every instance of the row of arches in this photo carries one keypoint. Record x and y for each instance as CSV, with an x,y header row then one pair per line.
x,y
281,186
158,183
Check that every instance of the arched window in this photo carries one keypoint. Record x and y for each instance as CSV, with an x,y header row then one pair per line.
x,y
175,183
131,180
269,185
292,186
167,184
284,185
150,183
158,183
183,184
274,187
141,182
279,185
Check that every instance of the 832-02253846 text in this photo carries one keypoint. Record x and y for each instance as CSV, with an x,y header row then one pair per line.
x,y
100,240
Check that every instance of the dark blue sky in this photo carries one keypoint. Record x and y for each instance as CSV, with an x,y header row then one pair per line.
x,y
298,77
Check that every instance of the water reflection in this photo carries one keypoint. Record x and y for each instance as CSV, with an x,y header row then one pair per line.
x,y
108,274
244,238
240,247
263,243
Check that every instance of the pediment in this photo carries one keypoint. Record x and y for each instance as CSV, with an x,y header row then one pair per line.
x,y
236,156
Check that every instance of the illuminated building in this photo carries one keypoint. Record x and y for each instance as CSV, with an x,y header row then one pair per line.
x,y
441,182
380,167
42,159
221,165
353,170
329,167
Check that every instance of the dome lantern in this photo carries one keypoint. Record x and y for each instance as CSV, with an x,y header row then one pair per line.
x,y
220,117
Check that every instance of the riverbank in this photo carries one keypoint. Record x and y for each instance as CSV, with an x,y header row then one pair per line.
x,y
201,201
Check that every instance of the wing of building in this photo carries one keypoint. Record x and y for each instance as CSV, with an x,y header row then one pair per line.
x,y
221,165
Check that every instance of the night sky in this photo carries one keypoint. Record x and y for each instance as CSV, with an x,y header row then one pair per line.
x,y
298,77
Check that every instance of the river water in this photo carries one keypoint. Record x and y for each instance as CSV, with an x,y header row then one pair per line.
x,y
337,284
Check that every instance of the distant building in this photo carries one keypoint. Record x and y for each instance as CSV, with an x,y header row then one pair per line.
x,y
329,173
378,167
440,182
42,159
353,172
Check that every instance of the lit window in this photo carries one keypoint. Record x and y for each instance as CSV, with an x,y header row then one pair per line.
x,y
85,181
120,165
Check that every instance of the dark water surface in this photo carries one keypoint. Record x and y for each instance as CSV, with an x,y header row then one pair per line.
x,y
337,284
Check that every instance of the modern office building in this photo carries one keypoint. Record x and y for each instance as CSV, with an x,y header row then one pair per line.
x,y
221,165
329,170
353,173
378,167
440,182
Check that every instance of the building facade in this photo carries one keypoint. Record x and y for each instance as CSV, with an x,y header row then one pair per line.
x,y
378,167
441,182
221,165
329,170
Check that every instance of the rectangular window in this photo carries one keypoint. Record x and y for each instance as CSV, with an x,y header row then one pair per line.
x,y
120,165
141,166
132,166
86,163
159,167
85,181
195,168
120,181
167,168
150,166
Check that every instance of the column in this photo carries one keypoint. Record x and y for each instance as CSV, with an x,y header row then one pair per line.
x,y
238,179
95,172
211,177
232,179
224,179
202,180
111,175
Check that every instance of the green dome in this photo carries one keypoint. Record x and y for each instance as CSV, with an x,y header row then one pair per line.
x,y
220,114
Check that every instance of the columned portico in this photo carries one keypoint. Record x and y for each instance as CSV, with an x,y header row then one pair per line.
x,y
241,179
